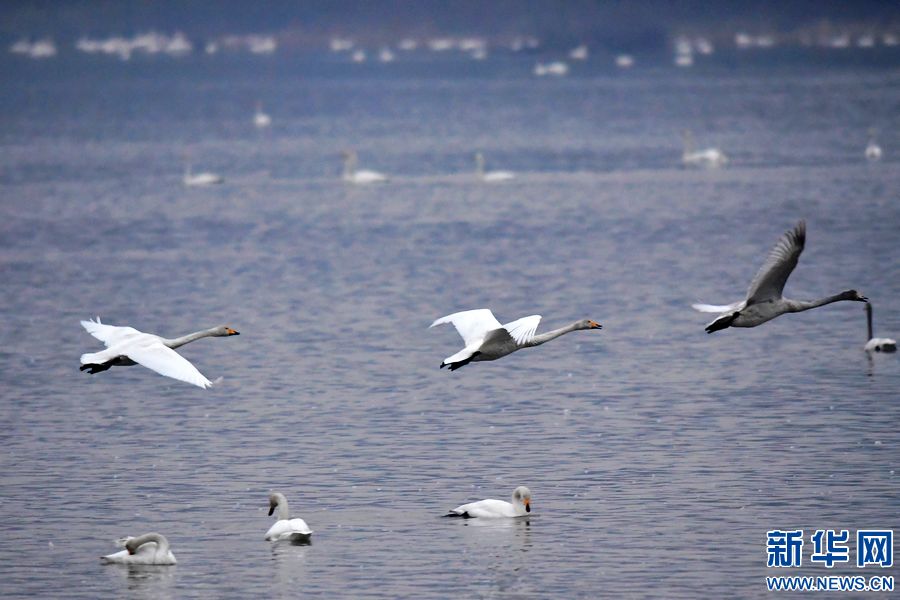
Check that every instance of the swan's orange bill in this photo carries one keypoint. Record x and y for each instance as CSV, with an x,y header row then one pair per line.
x,y
230,331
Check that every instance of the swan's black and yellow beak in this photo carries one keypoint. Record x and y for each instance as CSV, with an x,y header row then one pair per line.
x,y
527,505
231,331
595,325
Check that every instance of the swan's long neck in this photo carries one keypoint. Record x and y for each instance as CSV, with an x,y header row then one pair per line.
x,y
283,513
869,320
479,165
349,165
688,143
162,544
552,335
801,305
186,339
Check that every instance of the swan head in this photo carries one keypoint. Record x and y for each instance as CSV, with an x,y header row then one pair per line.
x,y
588,324
521,499
276,499
853,295
224,331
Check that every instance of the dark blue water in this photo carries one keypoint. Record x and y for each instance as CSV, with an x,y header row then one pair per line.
x,y
658,456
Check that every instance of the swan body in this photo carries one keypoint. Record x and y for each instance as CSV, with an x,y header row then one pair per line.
x,y
200,179
126,346
873,150
711,158
579,52
875,344
490,176
285,528
486,339
764,299
261,119
493,509
147,549
557,69
360,177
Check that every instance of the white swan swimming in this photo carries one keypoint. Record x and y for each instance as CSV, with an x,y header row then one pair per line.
x,y
764,299
492,509
486,339
360,177
147,549
261,119
710,157
557,69
200,179
873,150
490,176
285,528
875,344
126,346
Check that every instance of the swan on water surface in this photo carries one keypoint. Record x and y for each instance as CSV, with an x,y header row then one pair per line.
x,y
764,299
200,179
486,339
126,346
490,176
873,150
875,344
285,528
490,508
147,549
261,119
709,157
361,177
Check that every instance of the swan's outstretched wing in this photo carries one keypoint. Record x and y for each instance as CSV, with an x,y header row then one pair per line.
x,y
109,334
716,308
522,330
472,325
165,361
769,281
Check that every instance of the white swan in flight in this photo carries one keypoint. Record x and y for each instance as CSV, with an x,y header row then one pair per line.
x,y
487,339
490,508
490,176
873,150
764,299
360,177
877,344
147,549
200,179
285,528
711,158
126,346
260,119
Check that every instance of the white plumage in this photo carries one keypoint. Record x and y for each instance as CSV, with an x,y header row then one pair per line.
x,y
147,549
492,509
285,528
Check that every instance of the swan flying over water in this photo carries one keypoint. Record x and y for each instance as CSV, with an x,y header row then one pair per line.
x,y
147,549
285,528
486,339
875,344
764,299
126,346
490,508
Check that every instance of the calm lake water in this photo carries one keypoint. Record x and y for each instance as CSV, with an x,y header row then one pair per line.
x,y
658,455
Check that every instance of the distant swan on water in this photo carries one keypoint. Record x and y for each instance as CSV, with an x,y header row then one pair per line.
x,y
490,176
200,179
486,339
147,549
493,509
764,299
361,177
710,157
875,344
873,150
260,119
126,346
285,528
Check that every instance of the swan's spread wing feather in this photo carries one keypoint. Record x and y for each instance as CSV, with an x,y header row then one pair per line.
x,y
522,330
769,281
109,334
165,361
472,325
716,308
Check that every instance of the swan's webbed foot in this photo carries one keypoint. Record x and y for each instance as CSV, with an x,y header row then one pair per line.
x,y
722,322
94,368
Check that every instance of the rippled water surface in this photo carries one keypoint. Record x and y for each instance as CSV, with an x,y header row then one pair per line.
x,y
658,456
